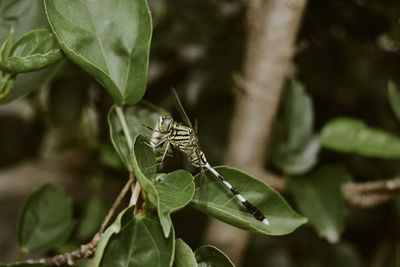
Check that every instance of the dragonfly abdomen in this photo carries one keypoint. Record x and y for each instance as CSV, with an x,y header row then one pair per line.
x,y
184,139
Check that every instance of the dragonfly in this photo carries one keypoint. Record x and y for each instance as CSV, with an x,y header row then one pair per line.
x,y
183,138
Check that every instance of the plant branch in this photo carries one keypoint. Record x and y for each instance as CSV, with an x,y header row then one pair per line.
x,y
369,194
85,251
362,195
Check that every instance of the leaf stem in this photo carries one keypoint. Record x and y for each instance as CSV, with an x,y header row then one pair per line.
x,y
135,194
125,128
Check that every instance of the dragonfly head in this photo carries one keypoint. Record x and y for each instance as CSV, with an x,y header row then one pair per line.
x,y
165,123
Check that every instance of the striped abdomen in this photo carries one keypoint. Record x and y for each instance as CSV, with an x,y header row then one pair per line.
x,y
256,213
184,139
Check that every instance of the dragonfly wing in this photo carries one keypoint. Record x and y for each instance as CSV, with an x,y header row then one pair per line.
x,y
181,109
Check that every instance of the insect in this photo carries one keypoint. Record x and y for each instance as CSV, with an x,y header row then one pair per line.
x,y
184,138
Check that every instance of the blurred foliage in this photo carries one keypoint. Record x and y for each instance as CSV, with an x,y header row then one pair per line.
x,y
347,51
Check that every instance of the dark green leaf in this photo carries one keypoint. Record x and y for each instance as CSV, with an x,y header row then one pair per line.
x,y
23,16
114,228
82,263
35,50
140,242
319,197
184,256
93,215
351,135
294,146
394,99
159,188
143,162
209,256
113,47
137,117
222,204
45,220
175,190
6,47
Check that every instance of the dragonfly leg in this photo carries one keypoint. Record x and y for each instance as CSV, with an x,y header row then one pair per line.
x,y
153,145
165,152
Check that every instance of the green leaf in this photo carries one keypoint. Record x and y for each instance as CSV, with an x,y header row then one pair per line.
x,y
394,99
82,263
222,204
114,228
351,135
110,39
35,50
184,256
137,117
23,16
211,256
294,146
6,84
158,189
175,190
29,82
143,162
6,47
319,197
140,242
93,215
45,220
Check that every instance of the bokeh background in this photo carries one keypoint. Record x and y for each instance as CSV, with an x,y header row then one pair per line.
x,y
345,54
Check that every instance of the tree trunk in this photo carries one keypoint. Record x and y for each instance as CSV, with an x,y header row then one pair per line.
x,y
271,34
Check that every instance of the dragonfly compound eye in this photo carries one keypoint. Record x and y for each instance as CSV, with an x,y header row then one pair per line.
x,y
165,123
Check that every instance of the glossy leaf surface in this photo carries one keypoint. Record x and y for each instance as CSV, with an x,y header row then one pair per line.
x,y
351,135
140,242
23,16
35,50
114,228
184,256
143,162
45,219
168,192
175,191
209,256
320,198
221,203
110,39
